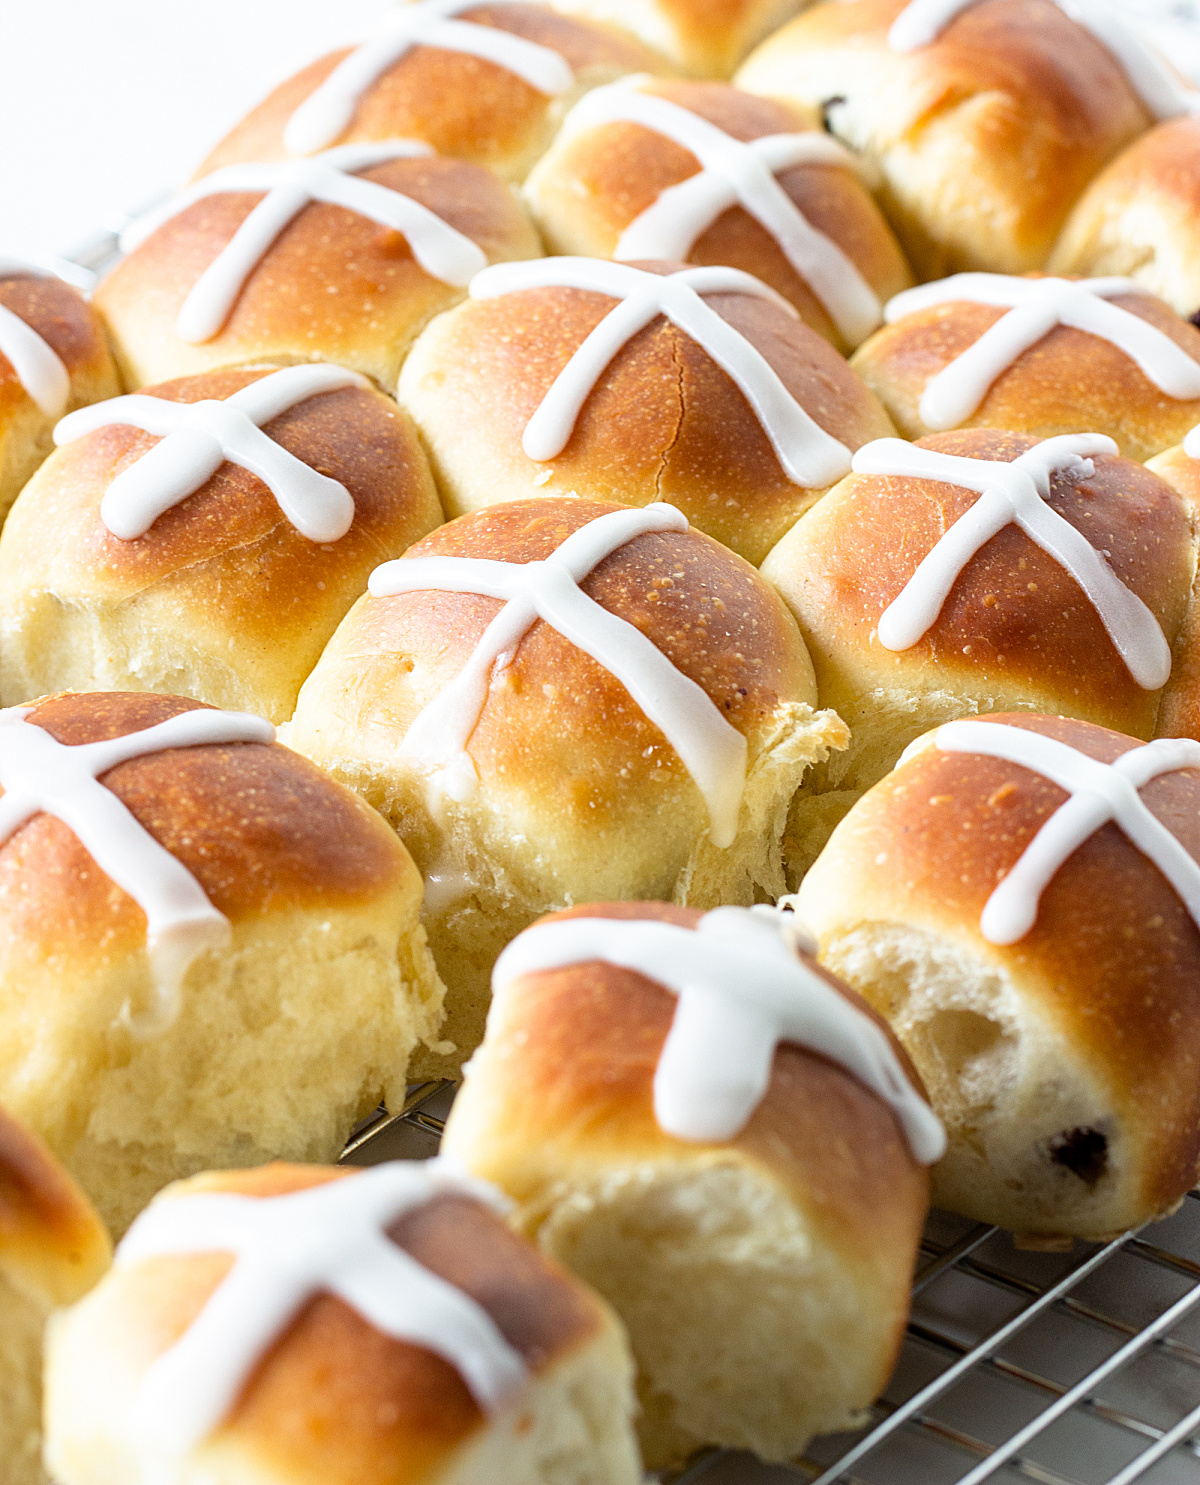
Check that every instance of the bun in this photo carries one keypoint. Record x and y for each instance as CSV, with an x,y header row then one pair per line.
x,y
652,416
1140,217
762,1270
230,594
389,238
905,635
768,192
701,39
53,356
53,1248
1057,1031
251,991
529,777
497,104
935,366
984,137
341,1381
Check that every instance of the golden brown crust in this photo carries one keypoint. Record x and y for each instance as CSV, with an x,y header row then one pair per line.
x,y
663,422
462,105
1179,712
64,320
591,186
333,286
706,38
1069,382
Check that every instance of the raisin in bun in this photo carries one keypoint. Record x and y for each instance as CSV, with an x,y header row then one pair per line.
x,y
53,1248
652,168
143,560
481,82
1054,576
628,714
751,1208
702,39
1037,355
704,389
217,961
53,357
1020,899
418,1341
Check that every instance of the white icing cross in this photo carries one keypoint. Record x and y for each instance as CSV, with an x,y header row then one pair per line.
x,y
742,989
1162,93
733,173
1099,792
40,775
711,749
809,456
1036,306
37,365
328,111
329,1239
198,437
440,249
1015,493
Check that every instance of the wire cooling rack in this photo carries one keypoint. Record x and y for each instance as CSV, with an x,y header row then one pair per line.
x,y
1079,1368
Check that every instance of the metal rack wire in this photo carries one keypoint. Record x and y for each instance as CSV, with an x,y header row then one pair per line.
x,y
1078,1368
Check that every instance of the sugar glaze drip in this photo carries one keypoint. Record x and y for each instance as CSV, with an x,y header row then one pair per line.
x,y
198,437
734,173
710,748
40,775
326,1239
1161,92
37,365
1037,306
808,455
1015,493
329,110
1099,793
742,988
440,249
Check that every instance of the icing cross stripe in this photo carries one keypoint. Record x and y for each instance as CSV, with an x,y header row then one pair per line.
x,y
734,173
1015,493
326,1239
329,110
440,249
40,775
198,437
809,456
1098,793
712,750
742,988
1162,93
1036,307
38,367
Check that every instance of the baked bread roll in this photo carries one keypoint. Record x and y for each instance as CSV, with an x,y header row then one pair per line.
x,y
651,168
343,257
482,80
1179,710
702,39
1054,577
53,356
726,1144
53,1248
1037,355
1020,899
300,1325
560,701
703,388
207,538
1140,217
217,960
986,120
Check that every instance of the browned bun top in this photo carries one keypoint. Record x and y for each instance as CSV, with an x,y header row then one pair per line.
x,y
462,105
63,319
1015,621
336,1392
51,1240
1068,382
260,828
